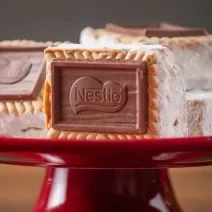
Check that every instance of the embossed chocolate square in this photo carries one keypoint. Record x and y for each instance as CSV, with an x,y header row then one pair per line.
x,y
99,96
22,71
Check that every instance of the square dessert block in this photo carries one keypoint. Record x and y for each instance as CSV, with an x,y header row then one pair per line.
x,y
192,47
113,92
22,71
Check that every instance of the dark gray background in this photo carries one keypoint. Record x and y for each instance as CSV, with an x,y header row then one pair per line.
x,y
63,19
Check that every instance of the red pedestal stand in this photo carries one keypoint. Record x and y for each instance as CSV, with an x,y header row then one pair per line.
x,y
88,190
102,176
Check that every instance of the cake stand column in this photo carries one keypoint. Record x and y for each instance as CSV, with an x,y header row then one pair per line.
x,y
99,190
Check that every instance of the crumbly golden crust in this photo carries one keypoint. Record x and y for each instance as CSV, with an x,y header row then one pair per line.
x,y
153,93
32,43
19,107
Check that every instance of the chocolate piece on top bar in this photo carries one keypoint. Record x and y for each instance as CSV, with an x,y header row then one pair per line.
x,y
161,25
22,70
155,30
96,93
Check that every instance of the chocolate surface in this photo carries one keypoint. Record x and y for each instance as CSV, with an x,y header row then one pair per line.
x,y
22,71
161,25
99,96
155,30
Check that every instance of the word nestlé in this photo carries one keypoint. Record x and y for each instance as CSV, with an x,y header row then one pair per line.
x,y
87,93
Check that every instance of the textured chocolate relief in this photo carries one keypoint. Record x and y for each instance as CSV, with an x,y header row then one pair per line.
x,y
13,71
99,96
22,71
88,93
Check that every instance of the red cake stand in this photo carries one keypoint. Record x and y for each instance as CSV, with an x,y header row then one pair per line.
x,y
103,176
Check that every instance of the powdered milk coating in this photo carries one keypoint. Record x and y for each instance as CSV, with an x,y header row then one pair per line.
x,y
199,106
173,114
13,125
196,64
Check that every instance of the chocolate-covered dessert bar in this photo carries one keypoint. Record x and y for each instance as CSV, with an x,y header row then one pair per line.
x,y
113,92
192,47
22,76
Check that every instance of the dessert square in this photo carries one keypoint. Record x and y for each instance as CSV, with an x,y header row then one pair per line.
x,y
113,92
192,47
22,70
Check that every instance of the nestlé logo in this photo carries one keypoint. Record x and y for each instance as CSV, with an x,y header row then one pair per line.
x,y
88,93
13,71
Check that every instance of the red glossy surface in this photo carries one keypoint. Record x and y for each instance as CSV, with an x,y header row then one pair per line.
x,y
152,153
75,190
127,176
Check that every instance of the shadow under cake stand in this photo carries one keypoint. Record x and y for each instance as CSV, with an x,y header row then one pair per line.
x,y
102,176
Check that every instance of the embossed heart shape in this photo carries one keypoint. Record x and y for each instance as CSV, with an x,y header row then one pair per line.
x,y
13,71
88,93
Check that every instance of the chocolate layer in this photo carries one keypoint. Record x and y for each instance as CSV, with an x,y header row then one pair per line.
x,y
99,96
22,71
161,25
155,30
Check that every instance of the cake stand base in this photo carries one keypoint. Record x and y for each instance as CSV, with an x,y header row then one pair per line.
x,y
105,176
102,190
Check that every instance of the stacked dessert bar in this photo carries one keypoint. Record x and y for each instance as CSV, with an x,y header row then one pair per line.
x,y
114,92
192,49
